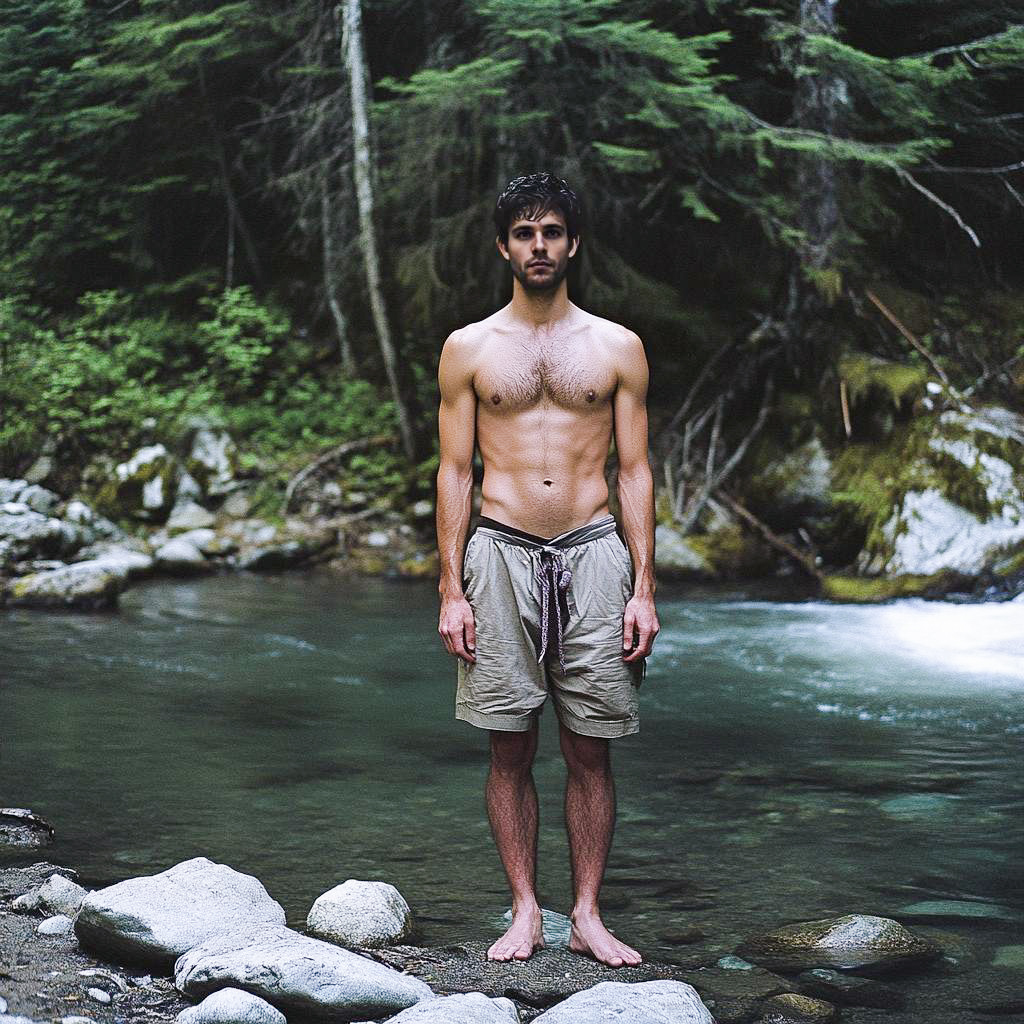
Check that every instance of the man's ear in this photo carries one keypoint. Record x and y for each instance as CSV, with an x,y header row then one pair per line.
x,y
502,247
575,246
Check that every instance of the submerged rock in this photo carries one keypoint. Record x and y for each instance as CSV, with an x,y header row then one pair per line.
x,y
298,974
358,913
953,911
648,1002
850,989
850,942
791,1008
232,1006
156,918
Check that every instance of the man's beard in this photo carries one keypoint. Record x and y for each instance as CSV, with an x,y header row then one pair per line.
x,y
548,284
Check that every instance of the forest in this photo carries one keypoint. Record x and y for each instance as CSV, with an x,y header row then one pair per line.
x,y
270,216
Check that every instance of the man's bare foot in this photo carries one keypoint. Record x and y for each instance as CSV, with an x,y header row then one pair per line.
x,y
524,937
590,936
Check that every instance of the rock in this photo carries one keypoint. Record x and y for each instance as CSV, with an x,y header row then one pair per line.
x,y
60,924
26,534
124,561
791,1008
75,1020
156,918
232,1006
188,488
1009,956
298,974
648,1002
189,515
557,927
800,480
469,1008
284,554
180,557
735,993
955,911
202,538
60,895
39,499
99,995
423,509
10,489
8,1019
212,460
86,586
358,913
920,806
238,505
15,882
850,989
684,936
41,468
674,555
849,942
143,487
93,526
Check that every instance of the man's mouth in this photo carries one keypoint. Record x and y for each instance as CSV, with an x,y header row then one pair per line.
x,y
538,263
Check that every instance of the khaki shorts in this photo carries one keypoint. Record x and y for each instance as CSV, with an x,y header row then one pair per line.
x,y
595,695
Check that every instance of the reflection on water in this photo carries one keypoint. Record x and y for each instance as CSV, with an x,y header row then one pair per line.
x,y
795,760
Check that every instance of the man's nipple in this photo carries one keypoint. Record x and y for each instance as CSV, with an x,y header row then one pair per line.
x,y
496,399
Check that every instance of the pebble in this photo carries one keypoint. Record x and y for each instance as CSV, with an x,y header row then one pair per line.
x,y
77,1020
1009,956
99,995
734,963
3,1005
59,924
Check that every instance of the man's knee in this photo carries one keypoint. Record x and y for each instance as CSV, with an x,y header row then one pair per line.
x,y
513,751
590,754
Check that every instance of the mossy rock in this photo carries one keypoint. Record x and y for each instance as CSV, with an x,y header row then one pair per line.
x,y
732,551
874,589
866,373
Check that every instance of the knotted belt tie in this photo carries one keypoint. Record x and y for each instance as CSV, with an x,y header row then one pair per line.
x,y
552,575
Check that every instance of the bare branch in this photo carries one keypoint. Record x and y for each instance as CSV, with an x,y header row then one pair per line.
x,y
910,180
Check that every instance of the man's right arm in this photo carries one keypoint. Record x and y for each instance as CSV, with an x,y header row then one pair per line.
x,y
457,428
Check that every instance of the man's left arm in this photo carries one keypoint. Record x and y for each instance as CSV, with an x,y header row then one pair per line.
x,y
636,498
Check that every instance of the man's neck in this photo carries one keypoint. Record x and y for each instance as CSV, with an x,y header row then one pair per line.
x,y
540,309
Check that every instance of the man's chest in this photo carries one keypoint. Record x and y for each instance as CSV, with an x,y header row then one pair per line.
x,y
511,381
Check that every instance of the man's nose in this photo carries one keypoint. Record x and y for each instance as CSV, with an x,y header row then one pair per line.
x,y
539,242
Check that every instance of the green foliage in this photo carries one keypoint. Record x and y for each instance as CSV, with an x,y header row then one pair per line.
x,y
897,381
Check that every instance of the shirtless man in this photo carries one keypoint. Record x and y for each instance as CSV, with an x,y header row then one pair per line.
x,y
545,599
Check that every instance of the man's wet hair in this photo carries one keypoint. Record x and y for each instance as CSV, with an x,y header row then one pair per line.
x,y
533,195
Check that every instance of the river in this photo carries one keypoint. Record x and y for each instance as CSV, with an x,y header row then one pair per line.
x,y
796,760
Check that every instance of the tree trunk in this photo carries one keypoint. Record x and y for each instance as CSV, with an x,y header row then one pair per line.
x,y
331,278
352,55
814,280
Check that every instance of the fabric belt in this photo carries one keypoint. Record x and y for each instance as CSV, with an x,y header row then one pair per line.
x,y
552,575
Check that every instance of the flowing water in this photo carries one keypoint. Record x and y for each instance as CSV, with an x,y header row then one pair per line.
x,y
796,761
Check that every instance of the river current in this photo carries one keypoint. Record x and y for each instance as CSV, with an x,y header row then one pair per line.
x,y
796,760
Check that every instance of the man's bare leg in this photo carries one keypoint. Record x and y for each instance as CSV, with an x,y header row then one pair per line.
x,y
512,809
590,821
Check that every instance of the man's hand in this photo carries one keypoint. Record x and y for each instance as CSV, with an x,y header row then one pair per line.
x,y
639,627
458,628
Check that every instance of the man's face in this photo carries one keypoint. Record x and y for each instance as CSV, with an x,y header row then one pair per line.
x,y
538,250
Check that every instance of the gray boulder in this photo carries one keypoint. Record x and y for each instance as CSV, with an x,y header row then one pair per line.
x,y
180,557
675,556
144,486
10,489
471,1008
298,974
189,515
213,460
647,1002
25,534
57,895
232,1006
59,924
358,913
39,499
91,524
849,942
287,552
84,585
156,918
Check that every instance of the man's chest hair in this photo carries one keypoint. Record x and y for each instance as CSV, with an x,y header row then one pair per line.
x,y
572,378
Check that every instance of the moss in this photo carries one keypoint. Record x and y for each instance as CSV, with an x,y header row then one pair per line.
x,y
732,551
898,381
861,590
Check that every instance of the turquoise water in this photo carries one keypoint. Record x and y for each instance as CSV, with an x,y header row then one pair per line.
x,y
796,760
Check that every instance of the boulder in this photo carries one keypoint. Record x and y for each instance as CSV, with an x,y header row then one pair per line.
x,y
59,895
298,974
125,561
26,534
180,557
647,1002
189,515
39,499
143,487
19,827
212,460
10,489
674,555
850,990
232,1006
800,480
792,1008
358,913
286,552
92,525
59,924
470,1008
203,538
851,942
156,918
86,585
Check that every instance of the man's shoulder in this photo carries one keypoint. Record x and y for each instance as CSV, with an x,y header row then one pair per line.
x,y
469,338
618,338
